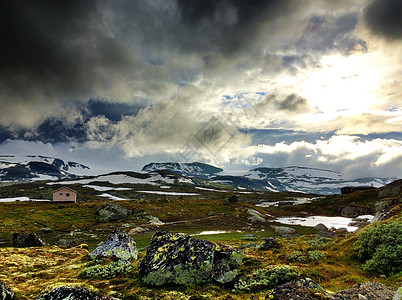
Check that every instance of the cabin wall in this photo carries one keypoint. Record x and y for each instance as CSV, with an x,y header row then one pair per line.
x,y
64,196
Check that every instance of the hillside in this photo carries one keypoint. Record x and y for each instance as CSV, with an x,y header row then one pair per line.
x,y
204,213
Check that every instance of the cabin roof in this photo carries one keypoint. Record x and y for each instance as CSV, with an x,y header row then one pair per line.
x,y
64,187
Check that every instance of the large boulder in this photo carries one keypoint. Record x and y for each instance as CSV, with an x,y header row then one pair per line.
x,y
255,216
323,231
70,293
118,245
283,229
5,292
26,240
353,211
177,258
110,212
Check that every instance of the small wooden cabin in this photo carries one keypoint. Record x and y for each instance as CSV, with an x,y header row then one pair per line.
x,y
351,189
64,194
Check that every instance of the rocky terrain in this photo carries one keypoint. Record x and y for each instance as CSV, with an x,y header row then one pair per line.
x,y
158,236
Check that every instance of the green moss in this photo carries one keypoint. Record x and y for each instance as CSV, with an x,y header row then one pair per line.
x,y
111,270
267,278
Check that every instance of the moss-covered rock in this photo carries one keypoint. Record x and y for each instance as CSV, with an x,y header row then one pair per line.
x,y
180,259
117,245
69,293
112,212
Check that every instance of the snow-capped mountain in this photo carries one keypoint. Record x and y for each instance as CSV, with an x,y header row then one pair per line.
x,y
37,167
194,169
295,179
309,180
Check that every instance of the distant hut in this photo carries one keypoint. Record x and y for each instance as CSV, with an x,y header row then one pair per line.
x,y
351,189
65,194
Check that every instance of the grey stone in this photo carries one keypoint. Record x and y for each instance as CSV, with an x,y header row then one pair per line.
x,y
118,245
177,258
155,221
370,290
70,293
46,230
353,211
398,294
250,237
70,242
112,212
255,216
323,231
5,292
137,230
283,229
269,243
27,240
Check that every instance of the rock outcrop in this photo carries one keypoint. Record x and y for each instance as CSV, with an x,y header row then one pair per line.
x,y
112,212
392,189
303,289
69,293
177,258
323,231
283,229
269,243
5,292
118,245
26,240
368,290
354,211
255,216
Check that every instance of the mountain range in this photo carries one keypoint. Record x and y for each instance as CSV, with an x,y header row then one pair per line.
x,y
293,178
38,167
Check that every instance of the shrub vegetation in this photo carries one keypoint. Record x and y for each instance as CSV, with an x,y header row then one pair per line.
x,y
380,248
267,278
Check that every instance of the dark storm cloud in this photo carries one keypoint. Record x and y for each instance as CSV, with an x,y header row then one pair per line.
x,y
291,103
53,52
228,25
39,44
384,18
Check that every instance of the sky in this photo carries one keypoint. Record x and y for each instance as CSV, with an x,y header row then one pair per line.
x,y
237,84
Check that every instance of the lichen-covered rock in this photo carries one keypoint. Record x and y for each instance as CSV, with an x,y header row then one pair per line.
x,y
118,245
5,292
283,229
112,212
177,258
255,216
303,289
269,243
69,293
27,240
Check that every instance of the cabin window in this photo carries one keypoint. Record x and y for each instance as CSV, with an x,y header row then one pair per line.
x,y
61,194
67,194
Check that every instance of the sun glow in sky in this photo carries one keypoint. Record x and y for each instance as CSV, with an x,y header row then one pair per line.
x,y
346,83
